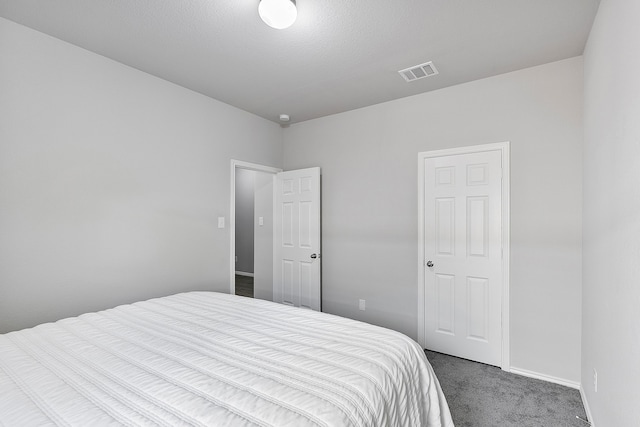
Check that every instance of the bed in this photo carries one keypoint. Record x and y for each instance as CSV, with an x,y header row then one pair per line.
x,y
212,359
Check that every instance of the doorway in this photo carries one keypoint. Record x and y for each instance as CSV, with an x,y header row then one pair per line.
x,y
463,288
245,228
251,230
286,234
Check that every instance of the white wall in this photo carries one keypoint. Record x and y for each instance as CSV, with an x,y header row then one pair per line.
x,y
611,263
111,181
245,206
369,215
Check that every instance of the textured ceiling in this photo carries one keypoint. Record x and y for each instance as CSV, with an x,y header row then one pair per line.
x,y
339,55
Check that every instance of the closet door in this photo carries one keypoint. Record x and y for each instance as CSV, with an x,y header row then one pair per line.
x,y
463,255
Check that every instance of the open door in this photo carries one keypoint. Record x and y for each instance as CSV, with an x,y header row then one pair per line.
x,y
296,239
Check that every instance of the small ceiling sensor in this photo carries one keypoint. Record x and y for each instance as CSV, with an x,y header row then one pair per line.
x,y
284,118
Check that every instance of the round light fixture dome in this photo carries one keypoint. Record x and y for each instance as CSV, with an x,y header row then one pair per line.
x,y
278,14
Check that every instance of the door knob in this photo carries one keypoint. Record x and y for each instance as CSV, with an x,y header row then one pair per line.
x,y
429,263
314,256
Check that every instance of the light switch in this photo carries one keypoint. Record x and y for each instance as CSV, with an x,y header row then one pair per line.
x,y
261,221
220,222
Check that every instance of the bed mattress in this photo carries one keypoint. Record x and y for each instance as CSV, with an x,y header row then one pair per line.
x,y
211,359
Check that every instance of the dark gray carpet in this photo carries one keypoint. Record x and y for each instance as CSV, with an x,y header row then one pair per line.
x,y
244,286
485,396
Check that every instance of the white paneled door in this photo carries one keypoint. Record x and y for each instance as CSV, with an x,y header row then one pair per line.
x,y
463,266
296,269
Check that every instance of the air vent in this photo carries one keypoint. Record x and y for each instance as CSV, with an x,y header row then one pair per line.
x,y
419,71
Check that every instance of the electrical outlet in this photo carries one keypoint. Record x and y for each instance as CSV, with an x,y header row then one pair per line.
x,y
595,380
362,305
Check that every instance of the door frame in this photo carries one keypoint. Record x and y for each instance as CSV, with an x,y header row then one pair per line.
x,y
239,164
504,148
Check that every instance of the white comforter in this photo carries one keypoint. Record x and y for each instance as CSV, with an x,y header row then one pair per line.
x,y
213,359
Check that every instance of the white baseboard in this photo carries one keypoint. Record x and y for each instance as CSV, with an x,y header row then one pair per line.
x,y
242,273
548,378
585,403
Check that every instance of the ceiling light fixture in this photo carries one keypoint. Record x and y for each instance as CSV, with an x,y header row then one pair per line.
x,y
278,14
